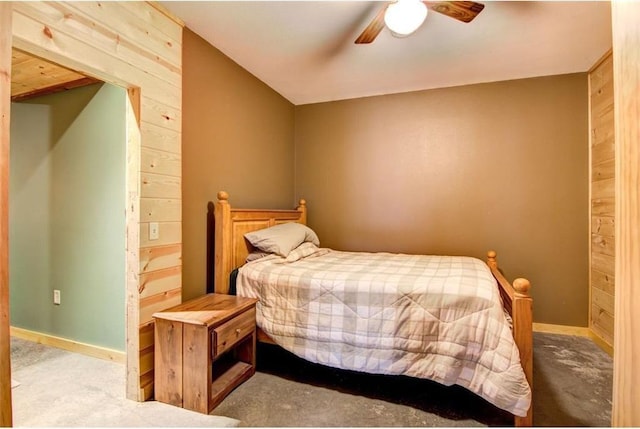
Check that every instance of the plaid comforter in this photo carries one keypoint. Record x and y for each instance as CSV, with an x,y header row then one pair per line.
x,y
434,317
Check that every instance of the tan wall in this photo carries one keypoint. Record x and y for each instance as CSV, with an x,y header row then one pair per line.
x,y
237,137
460,170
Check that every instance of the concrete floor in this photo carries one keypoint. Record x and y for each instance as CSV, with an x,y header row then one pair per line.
x,y
572,387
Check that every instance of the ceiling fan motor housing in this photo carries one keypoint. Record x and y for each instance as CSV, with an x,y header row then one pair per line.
x,y
405,16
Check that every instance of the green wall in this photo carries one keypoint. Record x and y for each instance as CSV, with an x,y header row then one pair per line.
x,y
67,215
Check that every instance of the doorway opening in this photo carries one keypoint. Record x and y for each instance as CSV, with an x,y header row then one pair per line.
x,y
66,205
69,192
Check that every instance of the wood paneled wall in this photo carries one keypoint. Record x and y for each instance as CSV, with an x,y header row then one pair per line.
x,y
626,79
138,46
5,107
602,232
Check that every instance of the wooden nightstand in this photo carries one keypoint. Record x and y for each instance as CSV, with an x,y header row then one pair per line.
x,y
204,349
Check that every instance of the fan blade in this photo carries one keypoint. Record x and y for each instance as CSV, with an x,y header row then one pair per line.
x,y
463,11
373,29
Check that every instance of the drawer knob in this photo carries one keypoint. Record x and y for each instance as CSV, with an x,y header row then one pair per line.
x,y
238,331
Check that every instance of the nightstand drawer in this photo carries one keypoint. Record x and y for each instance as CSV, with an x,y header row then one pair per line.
x,y
228,334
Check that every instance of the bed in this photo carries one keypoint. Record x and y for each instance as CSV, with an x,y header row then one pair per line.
x,y
454,320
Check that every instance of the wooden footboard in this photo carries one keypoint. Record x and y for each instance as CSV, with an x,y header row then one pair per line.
x,y
519,304
231,249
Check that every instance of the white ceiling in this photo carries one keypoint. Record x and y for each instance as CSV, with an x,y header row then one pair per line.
x,y
304,50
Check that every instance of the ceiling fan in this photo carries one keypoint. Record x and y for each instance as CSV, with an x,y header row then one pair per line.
x,y
403,17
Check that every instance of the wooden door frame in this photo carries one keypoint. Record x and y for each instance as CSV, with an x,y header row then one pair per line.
x,y
132,216
626,83
6,418
136,46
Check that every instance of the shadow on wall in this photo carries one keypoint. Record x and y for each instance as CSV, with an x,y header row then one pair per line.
x,y
62,119
211,242
59,122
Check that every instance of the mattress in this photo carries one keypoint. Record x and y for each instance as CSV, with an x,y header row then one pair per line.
x,y
433,317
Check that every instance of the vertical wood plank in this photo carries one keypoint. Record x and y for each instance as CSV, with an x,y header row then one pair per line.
x,y
132,240
5,106
168,357
626,71
196,351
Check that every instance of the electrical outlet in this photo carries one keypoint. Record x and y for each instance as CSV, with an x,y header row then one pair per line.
x,y
56,296
154,231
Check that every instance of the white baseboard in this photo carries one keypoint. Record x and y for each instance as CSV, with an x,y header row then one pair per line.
x,y
70,345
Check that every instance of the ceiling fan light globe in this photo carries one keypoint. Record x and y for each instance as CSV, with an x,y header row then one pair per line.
x,y
405,16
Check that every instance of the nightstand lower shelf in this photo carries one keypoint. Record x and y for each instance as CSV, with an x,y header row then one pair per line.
x,y
231,378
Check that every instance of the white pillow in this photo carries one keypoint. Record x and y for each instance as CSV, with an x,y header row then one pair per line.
x,y
283,238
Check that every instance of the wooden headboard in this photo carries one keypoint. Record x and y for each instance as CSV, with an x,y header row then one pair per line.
x,y
231,249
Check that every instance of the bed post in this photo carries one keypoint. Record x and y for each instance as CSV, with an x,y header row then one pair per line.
x,y
519,303
491,259
223,245
523,334
302,208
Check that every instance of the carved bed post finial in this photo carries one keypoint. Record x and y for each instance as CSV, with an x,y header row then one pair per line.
x,y
491,259
223,196
522,287
302,208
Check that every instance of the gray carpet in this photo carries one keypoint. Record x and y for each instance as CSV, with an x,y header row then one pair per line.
x,y
62,389
572,387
